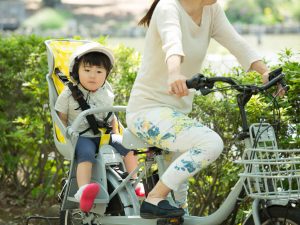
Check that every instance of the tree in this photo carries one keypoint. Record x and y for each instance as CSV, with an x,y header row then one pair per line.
x,y
253,12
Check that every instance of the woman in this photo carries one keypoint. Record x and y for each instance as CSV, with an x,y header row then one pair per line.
x,y
177,39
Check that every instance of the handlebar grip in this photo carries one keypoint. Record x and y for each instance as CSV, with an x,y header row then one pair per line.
x,y
195,81
189,83
276,73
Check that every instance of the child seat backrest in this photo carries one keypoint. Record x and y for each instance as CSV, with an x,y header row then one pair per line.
x,y
58,55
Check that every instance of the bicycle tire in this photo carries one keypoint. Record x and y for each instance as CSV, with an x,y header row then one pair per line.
x,y
279,215
118,206
66,217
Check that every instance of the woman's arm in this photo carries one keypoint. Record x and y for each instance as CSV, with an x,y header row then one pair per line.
x,y
224,33
261,68
176,81
167,22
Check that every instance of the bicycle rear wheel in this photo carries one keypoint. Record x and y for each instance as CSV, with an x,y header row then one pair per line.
x,y
121,203
277,215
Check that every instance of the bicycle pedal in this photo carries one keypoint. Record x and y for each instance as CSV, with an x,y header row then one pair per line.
x,y
170,221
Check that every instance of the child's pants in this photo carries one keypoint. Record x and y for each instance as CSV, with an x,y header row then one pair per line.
x,y
194,145
86,147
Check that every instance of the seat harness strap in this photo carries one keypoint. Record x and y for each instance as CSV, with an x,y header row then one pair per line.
x,y
78,96
96,127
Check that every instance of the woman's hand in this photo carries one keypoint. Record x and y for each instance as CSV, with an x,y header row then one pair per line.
x,y
260,67
280,90
177,85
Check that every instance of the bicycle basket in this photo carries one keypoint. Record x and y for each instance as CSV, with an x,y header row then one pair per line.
x,y
271,173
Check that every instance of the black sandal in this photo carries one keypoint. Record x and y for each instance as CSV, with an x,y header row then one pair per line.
x,y
162,210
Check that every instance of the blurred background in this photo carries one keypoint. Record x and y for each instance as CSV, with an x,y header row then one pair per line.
x,y
30,167
269,26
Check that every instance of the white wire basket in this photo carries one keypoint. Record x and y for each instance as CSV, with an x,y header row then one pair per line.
x,y
271,173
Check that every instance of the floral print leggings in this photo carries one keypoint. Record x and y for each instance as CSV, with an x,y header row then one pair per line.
x,y
192,145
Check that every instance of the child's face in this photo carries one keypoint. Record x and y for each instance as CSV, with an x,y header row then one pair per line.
x,y
91,77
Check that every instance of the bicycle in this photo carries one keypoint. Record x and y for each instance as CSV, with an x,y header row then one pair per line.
x,y
264,179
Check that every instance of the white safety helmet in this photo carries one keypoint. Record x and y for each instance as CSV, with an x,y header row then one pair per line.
x,y
87,48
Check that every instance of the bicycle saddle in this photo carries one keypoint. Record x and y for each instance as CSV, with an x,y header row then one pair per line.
x,y
131,141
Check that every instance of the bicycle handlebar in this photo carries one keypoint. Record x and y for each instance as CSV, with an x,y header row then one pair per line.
x,y
205,84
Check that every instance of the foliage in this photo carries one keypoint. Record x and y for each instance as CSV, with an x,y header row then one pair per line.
x,y
48,18
220,112
29,162
254,12
26,137
30,167
261,11
296,12
123,74
289,9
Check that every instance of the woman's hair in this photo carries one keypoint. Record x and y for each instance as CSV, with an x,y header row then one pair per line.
x,y
145,21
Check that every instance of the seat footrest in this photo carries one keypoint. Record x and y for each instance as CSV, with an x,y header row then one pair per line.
x,y
97,200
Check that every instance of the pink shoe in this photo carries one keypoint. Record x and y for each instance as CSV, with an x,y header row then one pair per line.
x,y
139,190
88,196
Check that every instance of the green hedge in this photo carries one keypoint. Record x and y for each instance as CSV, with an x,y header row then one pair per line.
x,y
31,168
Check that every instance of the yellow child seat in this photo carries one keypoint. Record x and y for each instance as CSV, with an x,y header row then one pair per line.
x,y
59,52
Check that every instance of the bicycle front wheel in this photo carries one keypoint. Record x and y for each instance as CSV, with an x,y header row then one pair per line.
x,y
277,215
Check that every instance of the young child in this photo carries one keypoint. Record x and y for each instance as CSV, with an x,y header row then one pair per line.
x,y
89,67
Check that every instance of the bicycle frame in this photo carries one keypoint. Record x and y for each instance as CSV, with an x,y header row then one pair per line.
x,y
98,217
216,218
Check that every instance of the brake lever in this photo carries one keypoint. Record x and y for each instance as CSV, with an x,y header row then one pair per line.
x,y
207,88
205,91
196,82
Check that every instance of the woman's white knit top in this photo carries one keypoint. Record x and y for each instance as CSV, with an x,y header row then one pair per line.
x,y
172,31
